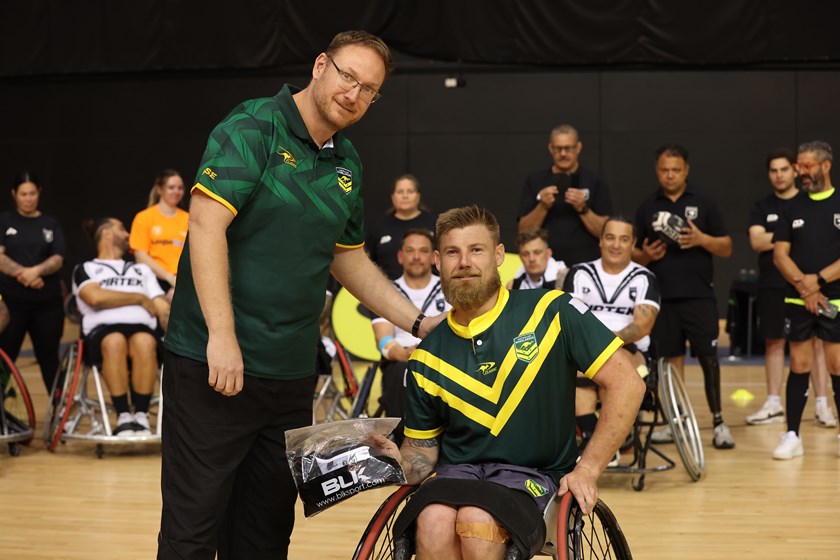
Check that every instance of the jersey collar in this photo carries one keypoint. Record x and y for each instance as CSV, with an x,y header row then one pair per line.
x,y
482,322
296,124
821,195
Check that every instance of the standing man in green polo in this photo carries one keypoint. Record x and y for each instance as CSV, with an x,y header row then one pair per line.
x,y
276,206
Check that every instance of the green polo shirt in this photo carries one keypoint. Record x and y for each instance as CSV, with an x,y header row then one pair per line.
x,y
502,390
293,203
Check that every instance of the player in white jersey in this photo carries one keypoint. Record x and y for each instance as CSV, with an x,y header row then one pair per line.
x,y
423,289
122,305
623,295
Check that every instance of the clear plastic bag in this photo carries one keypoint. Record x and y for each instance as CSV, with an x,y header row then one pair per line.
x,y
334,461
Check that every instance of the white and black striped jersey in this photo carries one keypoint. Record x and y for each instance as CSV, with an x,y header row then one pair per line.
x,y
118,276
521,280
428,300
613,297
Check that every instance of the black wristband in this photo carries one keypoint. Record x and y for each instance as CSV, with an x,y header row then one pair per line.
x,y
821,281
584,210
415,330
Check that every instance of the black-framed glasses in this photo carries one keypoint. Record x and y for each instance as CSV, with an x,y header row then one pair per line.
x,y
347,82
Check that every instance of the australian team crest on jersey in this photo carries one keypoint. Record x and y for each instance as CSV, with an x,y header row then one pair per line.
x,y
345,179
691,212
837,221
526,347
287,156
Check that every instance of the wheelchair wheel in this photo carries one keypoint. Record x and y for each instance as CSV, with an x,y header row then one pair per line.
x,y
681,419
17,417
593,536
62,403
377,542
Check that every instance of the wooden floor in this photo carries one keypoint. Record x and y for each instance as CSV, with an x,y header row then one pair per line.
x,y
71,505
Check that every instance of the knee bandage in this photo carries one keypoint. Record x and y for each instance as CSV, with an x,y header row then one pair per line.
x,y
482,531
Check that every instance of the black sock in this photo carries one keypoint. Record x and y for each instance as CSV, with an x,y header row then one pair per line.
x,y
717,419
140,402
835,385
120,403
796,395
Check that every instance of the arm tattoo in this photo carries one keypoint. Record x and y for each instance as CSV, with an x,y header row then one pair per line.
x,y
422,442
630,333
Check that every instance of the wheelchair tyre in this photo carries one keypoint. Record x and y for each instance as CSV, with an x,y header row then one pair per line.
x,y
681,419
593,536
62,402
18,413
377,541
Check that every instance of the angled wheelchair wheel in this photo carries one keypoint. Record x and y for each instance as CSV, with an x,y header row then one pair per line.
x,y
361,407
62,403
17,416
681,419
596,536
377,542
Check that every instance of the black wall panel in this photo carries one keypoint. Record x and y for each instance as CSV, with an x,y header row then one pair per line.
x,y
97,142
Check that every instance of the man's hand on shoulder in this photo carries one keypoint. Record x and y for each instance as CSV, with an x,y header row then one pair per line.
x,y
429,323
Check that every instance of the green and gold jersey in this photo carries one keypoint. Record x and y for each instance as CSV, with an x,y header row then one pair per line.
x,y
502,390
293,203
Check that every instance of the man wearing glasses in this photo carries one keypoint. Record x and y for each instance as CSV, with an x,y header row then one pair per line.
x,y
276,207
807,245
567,199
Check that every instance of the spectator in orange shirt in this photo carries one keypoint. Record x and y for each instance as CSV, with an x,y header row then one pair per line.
x,y
158,232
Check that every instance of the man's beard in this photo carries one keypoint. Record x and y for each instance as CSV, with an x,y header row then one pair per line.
x,y
816,183
470,295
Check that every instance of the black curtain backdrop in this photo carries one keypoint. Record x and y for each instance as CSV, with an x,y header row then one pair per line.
x,y
98,96
41,37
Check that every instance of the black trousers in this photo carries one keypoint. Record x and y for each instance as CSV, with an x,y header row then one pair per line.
x,y
225,480
45,324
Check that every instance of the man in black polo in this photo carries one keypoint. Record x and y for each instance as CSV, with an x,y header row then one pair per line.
x,y
806,253
567,199
772,289
680,229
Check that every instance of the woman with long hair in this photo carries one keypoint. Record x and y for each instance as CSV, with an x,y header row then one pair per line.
x,y
158,233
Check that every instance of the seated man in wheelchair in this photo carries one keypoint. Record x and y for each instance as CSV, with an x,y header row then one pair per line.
x,y
489,428
122,305
624,296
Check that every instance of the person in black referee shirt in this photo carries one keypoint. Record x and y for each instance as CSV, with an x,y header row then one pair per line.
x,y
806,253
571,201
684,268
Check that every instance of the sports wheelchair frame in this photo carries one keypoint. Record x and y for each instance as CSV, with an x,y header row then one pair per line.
x,y
17,416
665,403
73,413
570,535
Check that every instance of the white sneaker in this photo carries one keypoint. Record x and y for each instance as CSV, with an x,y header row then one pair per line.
x,y
142,420
125,425
662,435
723,437
614,462
825,417
789,447
768,414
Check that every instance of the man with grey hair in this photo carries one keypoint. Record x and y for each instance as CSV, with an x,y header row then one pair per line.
x,y
567,199
807,243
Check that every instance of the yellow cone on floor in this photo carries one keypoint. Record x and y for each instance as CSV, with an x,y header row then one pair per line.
x,y
742,397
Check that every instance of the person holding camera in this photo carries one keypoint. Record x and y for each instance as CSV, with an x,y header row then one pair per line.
x,y
567,199
680,229
807,243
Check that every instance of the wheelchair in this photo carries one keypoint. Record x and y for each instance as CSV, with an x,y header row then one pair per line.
x,y
335,393
17,416
77,409
665,403
570,535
